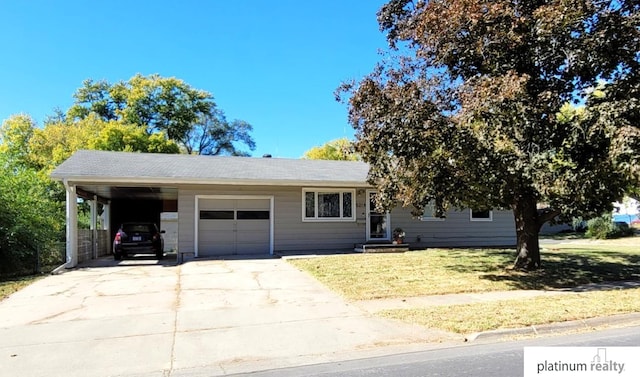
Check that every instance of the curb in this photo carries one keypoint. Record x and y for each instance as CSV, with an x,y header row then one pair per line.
x,y
622,320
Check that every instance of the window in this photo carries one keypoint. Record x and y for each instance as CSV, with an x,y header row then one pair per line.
x,y
429,213
234,215
328,205
217,215
480,215
252,215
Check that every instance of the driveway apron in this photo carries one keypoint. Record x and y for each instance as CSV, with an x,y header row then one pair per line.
x,y
204,317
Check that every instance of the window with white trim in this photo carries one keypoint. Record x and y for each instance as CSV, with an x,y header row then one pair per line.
x,y
328,205
429,213
480,215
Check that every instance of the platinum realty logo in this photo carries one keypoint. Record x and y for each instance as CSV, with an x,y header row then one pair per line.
x,y
581,361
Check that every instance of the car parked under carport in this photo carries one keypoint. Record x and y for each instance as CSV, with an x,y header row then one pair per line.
x,y
138,238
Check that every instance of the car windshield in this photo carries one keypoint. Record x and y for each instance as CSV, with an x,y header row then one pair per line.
x,y
132,228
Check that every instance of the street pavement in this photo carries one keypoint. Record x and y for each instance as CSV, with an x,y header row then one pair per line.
x,y
142,317
504,359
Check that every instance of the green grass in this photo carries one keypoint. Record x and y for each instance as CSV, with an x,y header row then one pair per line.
x,y
374,276
10,286
450,271
469,318
445,271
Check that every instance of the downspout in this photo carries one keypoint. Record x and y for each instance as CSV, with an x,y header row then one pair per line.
x,y
94,227
72,225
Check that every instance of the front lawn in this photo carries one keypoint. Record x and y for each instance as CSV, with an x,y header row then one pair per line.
x,y
477,317
450,271
444,271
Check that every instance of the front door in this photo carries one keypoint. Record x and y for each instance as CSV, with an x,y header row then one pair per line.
x,y
377,223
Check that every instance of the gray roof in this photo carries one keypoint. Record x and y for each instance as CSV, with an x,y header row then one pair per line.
x,y
106,166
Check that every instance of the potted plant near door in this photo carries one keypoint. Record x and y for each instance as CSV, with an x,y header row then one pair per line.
x,y
398,236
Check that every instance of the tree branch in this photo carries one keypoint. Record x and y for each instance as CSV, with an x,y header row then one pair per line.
x,y
546,214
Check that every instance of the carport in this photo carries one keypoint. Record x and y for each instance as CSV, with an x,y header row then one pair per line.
x,y
125,187
120,202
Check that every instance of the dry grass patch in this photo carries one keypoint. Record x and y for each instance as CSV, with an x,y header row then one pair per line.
x,y
9,287
446,271
471,318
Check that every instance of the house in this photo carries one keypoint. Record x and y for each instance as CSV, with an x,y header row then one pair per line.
x,y
244,205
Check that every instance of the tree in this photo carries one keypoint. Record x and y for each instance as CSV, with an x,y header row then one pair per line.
x,y
15,133
57,141
466,108
186,115
115,136
213,135
338,149
31,216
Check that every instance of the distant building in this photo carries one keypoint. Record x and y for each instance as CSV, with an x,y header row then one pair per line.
x,y
627,211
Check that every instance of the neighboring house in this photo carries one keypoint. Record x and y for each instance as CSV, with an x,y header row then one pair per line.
x,y
626,211
243,205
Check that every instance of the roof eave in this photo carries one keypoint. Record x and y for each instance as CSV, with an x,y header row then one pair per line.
x,y
200,181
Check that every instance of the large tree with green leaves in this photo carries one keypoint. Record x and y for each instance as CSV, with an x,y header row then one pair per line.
x,y
338,149
15,135
31,212
186,115
467,108
42,149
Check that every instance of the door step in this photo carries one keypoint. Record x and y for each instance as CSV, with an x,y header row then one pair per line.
x,y
381,248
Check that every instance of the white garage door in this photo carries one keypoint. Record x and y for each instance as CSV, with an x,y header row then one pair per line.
x,y
233,226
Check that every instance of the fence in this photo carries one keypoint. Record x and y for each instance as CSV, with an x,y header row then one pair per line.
x,y
86,241
46,258
41,260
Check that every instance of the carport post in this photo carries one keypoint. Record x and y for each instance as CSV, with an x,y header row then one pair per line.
x,y
106,225
72,225
94,226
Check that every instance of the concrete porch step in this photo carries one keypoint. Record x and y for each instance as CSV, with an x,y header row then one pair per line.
x,y
381,248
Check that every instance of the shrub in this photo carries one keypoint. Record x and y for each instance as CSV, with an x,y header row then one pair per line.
x,y
603,227
31,220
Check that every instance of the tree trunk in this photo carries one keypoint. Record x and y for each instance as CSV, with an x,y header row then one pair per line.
x,y
528,227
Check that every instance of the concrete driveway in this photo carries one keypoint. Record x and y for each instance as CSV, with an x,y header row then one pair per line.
x,y
208,317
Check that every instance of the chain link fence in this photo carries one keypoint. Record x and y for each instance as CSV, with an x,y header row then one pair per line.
x,y
43,259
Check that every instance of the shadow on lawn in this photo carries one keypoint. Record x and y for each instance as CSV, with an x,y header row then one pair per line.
x,y
571,269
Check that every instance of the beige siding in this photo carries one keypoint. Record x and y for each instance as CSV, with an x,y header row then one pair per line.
x,y
291,234
456,230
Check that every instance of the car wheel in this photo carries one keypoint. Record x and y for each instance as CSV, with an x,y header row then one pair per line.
x,y
117,256
159,255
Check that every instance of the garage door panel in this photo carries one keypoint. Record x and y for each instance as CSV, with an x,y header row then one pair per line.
x,y
216,248
258,234
252,249
234,226
253,237
215,225
255,204
217,236
216,204
253,226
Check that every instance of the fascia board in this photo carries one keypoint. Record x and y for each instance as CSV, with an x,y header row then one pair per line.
x,y
244,182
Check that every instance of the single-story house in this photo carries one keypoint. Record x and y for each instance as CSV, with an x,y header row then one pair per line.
x,y
245,205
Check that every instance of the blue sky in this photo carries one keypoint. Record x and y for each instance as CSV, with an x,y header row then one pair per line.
x,y
274,64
